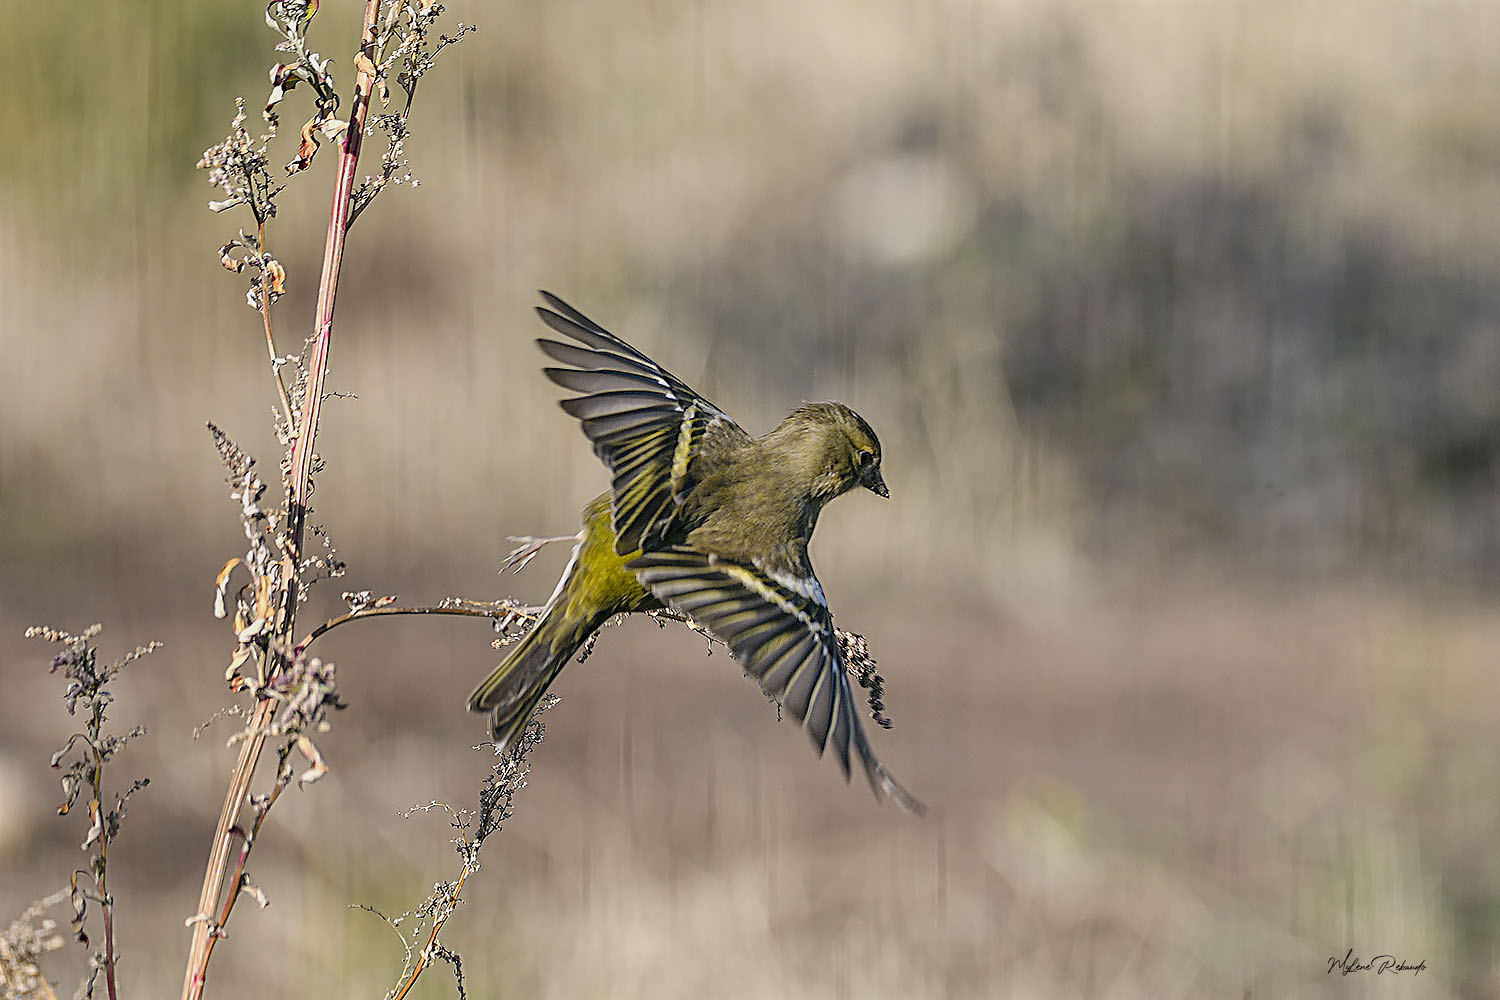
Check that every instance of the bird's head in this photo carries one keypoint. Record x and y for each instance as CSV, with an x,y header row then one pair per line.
x,y
843,449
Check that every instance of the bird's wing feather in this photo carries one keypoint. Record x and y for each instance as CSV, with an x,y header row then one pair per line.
x,y
646,424
781,631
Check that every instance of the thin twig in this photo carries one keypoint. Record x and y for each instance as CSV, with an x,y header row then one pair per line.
x,y
106,904
265,315
450,905
502,611
239,881
205,932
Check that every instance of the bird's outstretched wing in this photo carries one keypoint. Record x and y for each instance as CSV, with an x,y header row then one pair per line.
x,y
781,631
646,423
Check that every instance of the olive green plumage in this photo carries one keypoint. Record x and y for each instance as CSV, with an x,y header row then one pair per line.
x,y
704,519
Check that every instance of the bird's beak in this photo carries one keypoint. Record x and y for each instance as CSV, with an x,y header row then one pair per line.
x,y
869,478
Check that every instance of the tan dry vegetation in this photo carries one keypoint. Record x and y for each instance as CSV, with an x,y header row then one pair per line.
x,y
1176,745
1190,795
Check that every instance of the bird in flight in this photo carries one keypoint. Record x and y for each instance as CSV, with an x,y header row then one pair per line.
x,y
705,520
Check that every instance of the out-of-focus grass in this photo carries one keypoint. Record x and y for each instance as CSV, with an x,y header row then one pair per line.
x,y
1201,792
1121,285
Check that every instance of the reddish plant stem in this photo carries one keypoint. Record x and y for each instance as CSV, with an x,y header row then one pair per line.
x,y
238,882
109,936
333,256
204,930
437,925
105,903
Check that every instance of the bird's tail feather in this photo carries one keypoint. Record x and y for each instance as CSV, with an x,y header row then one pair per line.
x,y
511,692
881,781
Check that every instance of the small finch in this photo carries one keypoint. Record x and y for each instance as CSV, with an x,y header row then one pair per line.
x,y
706,520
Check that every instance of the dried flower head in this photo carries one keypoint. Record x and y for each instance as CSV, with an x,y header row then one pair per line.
x,y
239,167
83,758
408,46
22,945
506,777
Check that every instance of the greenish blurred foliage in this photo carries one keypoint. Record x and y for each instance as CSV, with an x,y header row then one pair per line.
x,y
105,101
1217,277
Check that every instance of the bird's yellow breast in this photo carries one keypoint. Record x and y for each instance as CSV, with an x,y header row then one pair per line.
x,y
600,581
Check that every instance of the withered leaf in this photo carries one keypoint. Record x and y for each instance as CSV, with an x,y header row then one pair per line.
x,y
240,656
365,65
319,766
221,586
255,891
71,785
252,630
283,78
96,828
307,147
80,909
275,277
60,754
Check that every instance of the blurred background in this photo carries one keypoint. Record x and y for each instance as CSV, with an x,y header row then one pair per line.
x,y
1178,321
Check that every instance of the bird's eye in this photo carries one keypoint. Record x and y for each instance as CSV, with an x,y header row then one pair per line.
x,y
865,457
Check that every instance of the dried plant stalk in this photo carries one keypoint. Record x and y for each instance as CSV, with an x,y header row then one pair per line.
x,y
301,470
